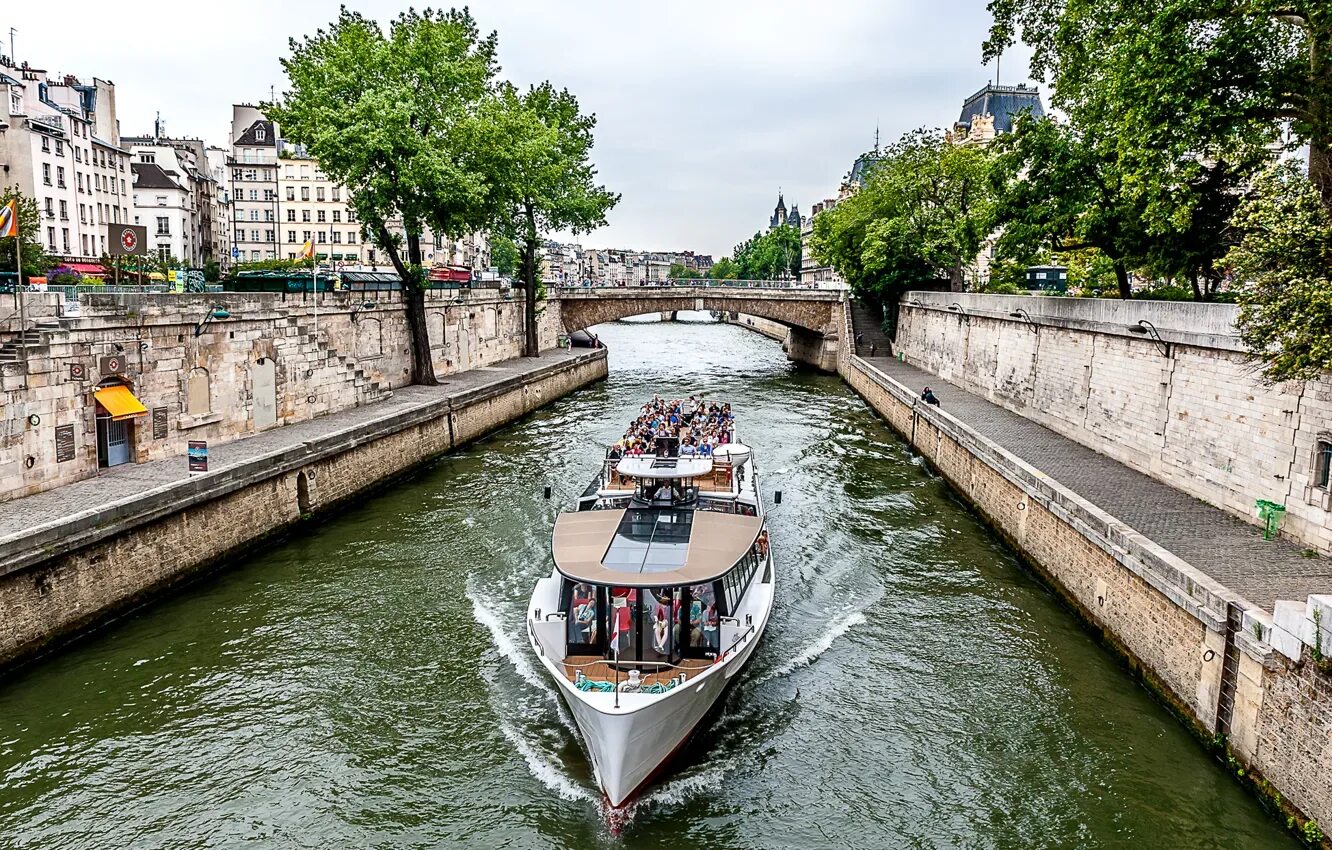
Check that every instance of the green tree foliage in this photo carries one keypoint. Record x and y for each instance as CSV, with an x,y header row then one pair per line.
x,y
918,221
35,261
503,255
1285,263
679,271
1060,189
724,269
774,255
391,116
1187,81
535,146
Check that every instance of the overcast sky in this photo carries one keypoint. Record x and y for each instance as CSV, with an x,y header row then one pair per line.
x,y
704,108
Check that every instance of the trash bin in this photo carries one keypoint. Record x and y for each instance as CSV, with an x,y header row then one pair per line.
x,y
1270,513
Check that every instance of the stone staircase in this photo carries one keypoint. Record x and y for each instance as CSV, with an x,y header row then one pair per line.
x,y
867,324
340,370
36,336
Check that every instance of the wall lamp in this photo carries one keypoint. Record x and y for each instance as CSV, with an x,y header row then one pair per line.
x,y
361,308
1019,313
916,302
957,308
1149,330
217,311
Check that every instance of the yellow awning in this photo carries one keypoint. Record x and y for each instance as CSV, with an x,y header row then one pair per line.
x,y
120,402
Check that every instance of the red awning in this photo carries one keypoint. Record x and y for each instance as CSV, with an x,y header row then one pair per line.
x,y
88,268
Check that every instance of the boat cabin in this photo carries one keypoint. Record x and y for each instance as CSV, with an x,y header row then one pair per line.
x,y
654,583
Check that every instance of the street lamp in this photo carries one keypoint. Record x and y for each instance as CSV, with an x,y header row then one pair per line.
x,y
1019,313
362,307
1149,330
217,311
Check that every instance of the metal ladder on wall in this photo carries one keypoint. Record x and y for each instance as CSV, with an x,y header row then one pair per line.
x,y
1225,702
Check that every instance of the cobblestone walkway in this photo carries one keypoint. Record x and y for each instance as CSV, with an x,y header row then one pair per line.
x,y
1228,549
122,482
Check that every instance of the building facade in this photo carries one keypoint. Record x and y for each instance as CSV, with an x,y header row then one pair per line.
x,y
253,183
60,145
316,208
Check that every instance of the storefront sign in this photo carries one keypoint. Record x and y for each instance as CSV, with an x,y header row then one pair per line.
x,y
198,453
64,440
159,423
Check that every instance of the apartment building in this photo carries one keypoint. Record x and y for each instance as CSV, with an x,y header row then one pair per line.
x,y
204,213
60,144
315,207
253,184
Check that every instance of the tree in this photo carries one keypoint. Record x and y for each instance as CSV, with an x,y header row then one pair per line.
x,y
918,220
1285,262
774,255
535,147
724,269
503,255
391,117
1188,80
35,260
679,271
1059,189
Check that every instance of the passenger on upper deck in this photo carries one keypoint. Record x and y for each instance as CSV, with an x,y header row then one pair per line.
x,y
667,428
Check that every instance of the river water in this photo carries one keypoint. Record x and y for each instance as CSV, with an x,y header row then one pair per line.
x,y
366,684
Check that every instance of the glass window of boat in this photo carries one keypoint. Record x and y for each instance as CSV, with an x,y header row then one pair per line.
x,y
624,620
661,623
582,621
704,620
650,540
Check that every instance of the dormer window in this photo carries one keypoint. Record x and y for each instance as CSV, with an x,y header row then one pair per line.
x,y
259,134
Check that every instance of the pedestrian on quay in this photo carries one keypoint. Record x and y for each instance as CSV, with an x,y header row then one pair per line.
x,y
929,396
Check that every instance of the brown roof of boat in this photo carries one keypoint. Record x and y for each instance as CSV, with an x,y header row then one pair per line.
x,y
716,542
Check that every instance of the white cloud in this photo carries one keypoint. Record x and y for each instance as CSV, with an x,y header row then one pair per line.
x,y
704,108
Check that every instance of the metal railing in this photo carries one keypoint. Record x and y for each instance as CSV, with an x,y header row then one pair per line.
x,y
694,283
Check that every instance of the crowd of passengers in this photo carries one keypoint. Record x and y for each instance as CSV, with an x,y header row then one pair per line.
x,y
692,427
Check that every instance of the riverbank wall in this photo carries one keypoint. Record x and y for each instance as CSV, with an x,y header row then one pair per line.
x,y
60,578
1204,650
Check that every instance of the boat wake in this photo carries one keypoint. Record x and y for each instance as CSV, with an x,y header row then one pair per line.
x,y
483,611
545,768
836,629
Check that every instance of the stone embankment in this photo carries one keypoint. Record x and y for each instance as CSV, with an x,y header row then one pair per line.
x,y
1185,592
73,557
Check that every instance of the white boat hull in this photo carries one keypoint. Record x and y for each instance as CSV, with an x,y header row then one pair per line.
x,y
630,744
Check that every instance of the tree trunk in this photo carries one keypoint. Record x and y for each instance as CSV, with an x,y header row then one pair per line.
x,y
1318,112
955,280
1320,169
531,343
1197,291
1122,278
413,299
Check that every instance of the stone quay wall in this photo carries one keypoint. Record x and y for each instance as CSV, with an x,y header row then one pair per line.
x,y
97,566
758,324
1172,624
1189,409
277,360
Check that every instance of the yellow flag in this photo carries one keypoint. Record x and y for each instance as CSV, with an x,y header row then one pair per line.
x,y
307,250
9,219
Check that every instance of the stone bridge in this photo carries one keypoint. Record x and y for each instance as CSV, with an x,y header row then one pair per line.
x,y
814,316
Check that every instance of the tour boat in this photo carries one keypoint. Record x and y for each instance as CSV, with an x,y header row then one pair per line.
x,y
662,586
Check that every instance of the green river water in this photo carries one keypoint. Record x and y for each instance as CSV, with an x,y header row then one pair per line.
x,y
366,683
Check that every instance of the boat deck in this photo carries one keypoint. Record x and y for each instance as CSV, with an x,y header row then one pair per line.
x,y
599,669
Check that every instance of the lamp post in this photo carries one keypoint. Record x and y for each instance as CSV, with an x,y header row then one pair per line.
x,y
1147,329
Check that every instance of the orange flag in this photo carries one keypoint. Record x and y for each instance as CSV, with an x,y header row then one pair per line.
x,y
9,219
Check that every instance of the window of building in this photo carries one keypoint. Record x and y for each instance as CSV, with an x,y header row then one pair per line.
x,y
351,237
161,200
305,215
240,235
64,211
305,172
1323,463
15,104
60,148
46,173
254,236
322,216
319,193
50,208
322,236
337,237
146,156
291,215
291,236
260,135
305,193
291,193
64,239
46,148
270,235
337,193
351,216
254,194
254,255
50,238
305,236
163,226
337,216
78,154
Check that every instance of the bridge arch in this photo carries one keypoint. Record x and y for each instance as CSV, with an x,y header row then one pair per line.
x,y
813,311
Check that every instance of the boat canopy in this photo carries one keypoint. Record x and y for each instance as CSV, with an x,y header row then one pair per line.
x,y
663,468
651,547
